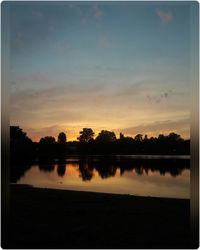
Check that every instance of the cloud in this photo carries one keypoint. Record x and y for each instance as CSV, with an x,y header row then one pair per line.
x,y
159,127
97,12
53,93
138,87
70,103
165,17
132,89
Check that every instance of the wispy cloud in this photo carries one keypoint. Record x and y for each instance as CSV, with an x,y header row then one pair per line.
x,y
52,93
165,17
133,89
97,12
159,127
63,103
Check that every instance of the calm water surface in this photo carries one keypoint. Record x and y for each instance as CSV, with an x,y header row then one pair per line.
x,y
144,175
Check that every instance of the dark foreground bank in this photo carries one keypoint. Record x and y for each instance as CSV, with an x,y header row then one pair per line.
x,y
44,218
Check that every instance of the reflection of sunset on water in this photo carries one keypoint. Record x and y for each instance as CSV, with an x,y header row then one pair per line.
x,y
81,176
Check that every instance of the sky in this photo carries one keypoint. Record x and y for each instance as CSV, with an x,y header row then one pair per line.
x,y
123,67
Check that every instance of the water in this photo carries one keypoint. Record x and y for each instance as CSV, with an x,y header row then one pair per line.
x,y
158,176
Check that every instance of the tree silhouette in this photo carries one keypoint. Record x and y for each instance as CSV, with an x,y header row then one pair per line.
x,y
106,136
47,140
126,139
17,135
121,136
105,143
62,138
138,137
145,138
20,143
86,135
161,137
174,137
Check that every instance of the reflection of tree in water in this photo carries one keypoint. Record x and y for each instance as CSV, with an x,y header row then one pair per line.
x,y
125,166
139,170
17,171
176,171
106,169
46,167
173,170
146,170
172,166
86,170
61,168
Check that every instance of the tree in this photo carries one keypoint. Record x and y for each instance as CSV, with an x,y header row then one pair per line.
x,y
17,135
20,143
47,140
106,136
121,136
138,137
86,135
62,138
161,137
174,137
126,139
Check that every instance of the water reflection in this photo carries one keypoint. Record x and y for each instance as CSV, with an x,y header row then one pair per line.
x,y
105,167
18,170
86,170
61,169
46,167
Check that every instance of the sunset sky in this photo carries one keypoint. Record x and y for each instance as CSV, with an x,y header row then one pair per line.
x,y
116,66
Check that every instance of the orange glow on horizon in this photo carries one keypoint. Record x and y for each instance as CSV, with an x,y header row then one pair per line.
x,y
72,137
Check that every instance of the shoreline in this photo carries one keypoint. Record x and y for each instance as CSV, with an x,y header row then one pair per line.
x,y
49,218
96,192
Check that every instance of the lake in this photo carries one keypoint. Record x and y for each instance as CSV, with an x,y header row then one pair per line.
x,y
158,176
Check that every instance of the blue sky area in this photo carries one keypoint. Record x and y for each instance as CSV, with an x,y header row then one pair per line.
x,y
122,66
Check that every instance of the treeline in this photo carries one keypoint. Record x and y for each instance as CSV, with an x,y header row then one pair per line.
x,y
106,142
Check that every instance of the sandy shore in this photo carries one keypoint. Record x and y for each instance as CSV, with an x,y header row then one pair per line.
x,y
45,218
